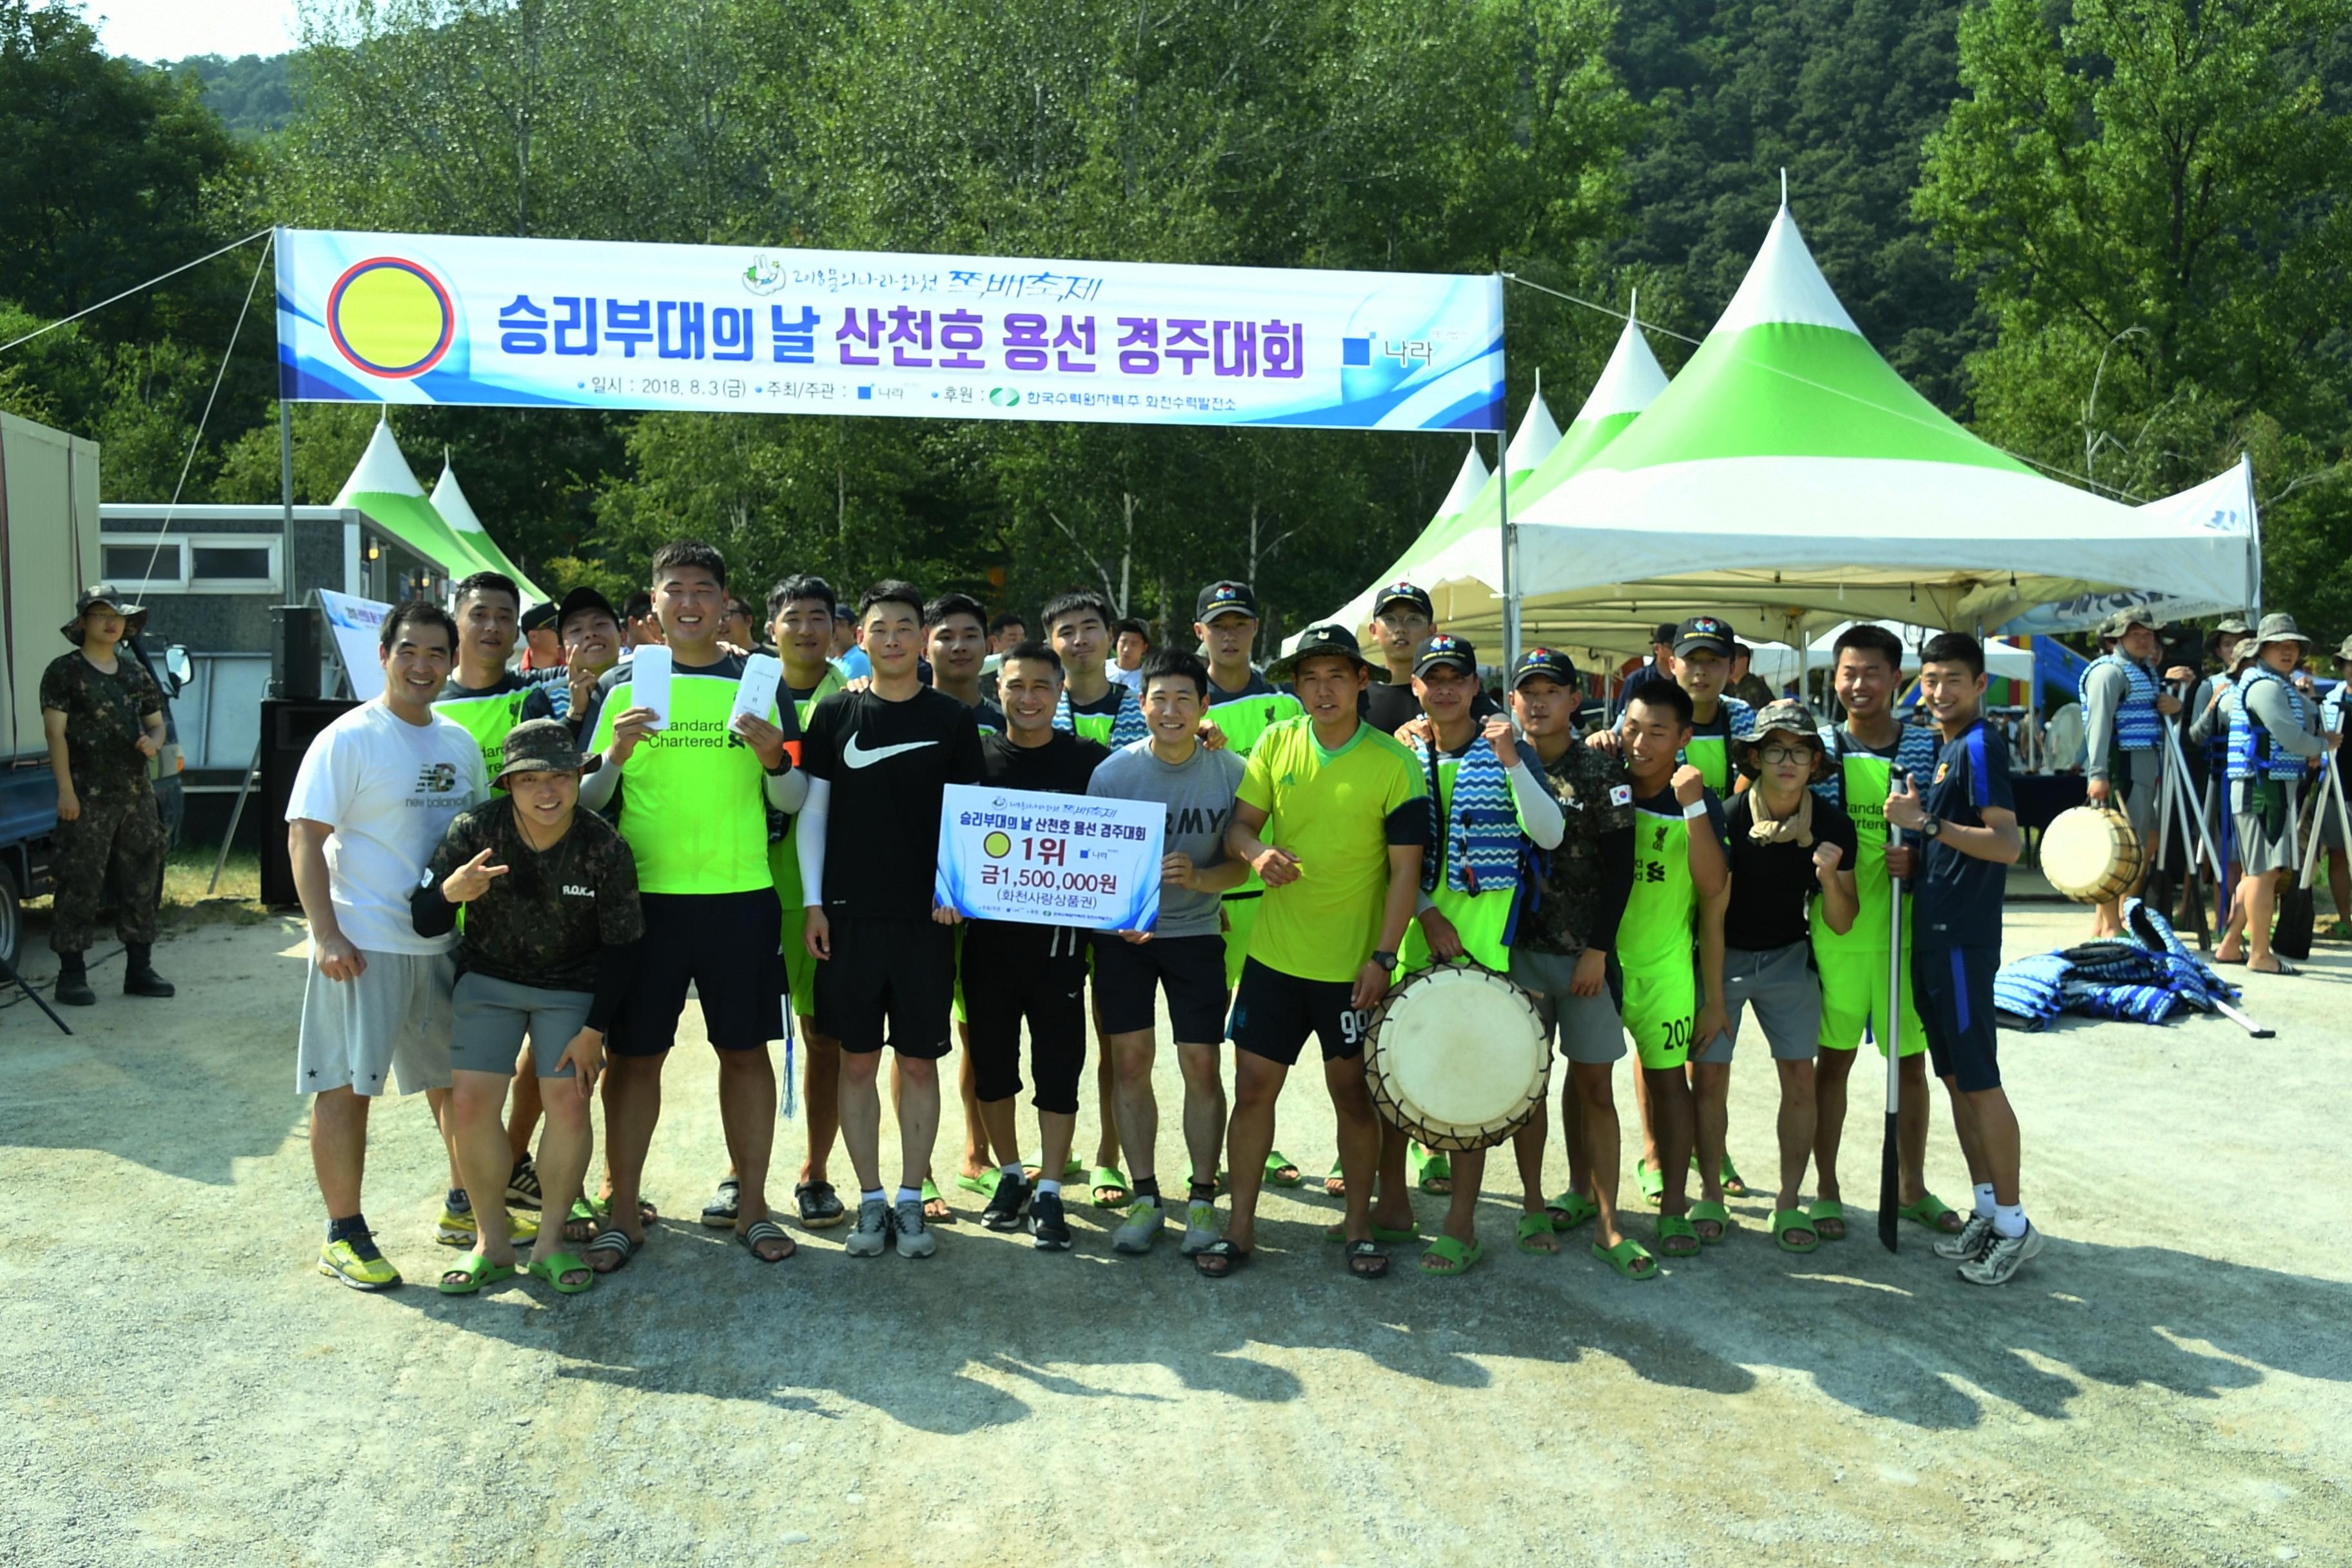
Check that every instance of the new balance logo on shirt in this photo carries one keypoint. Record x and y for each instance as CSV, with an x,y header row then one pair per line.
x,y
437,778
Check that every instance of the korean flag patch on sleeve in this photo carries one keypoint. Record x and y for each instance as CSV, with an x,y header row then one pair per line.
x,y
1620,795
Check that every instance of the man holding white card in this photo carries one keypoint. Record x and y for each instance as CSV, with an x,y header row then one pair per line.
x,y
692,777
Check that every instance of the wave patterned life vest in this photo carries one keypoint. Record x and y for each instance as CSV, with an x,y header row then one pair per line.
x,y
1121,729
2139,726
2253,753
1481,825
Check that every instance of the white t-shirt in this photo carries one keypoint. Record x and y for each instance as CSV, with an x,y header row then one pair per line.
x,y
389,789
1130,678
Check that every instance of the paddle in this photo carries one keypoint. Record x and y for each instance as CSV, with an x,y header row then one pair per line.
x,y
1890,1159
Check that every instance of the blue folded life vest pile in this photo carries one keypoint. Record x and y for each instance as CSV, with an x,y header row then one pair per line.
x,y
2143,977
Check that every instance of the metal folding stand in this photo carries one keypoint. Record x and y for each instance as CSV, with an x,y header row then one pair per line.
x,y
2195,843
8,976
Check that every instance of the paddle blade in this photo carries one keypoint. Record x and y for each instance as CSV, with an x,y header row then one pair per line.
x,y
1890,1184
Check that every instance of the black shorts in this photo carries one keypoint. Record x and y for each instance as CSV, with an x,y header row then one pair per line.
x,y
887,976
1952,988
729,948
1189,969
1010,975
1273,1013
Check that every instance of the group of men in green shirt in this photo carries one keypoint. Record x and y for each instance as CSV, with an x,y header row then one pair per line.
x,y
1362,843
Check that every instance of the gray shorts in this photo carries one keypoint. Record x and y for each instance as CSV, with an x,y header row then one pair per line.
x,y
2260,852
494,1015
388,1024
1588,1027
1781,985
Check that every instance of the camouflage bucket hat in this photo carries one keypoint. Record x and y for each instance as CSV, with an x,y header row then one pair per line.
x,y
540,747
1785,717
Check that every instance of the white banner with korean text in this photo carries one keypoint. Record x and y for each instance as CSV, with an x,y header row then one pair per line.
x,y
403,318
1050,859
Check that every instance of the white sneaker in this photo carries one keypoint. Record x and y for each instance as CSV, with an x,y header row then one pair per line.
x,y
915,1239
1971,1241
1200,1227
2003,1258
873,1232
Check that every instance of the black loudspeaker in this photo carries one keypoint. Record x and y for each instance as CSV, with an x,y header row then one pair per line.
x,y
294,653
287,728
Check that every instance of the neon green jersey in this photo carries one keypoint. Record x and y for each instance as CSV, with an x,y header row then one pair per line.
x,y
1483,920
1867,779
1659,931
784,859
488,713
692,798
1243,717
1333,811
1709,748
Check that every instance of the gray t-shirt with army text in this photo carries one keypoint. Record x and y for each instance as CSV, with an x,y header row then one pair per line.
x,y
1199,796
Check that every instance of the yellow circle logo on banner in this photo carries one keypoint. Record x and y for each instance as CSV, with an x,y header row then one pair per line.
x,y
997,844
391,317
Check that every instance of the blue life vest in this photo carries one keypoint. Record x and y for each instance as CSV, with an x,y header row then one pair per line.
x,y
2139,726
2253,753
1480,830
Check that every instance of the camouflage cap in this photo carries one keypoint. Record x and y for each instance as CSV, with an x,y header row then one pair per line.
x,y
2232,626
2279,627
540,747
1786,716
134,617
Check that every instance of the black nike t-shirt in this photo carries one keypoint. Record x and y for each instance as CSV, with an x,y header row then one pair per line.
x,y
1773,885
889,765
1063,766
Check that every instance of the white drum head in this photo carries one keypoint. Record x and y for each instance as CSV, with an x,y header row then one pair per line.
x,y
1461,1050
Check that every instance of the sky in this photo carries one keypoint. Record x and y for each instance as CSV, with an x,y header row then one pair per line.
x,y
171,29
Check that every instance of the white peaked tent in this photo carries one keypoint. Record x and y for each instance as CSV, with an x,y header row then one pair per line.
x,y
383,486
2225,502
458,513
1470,485
1788,469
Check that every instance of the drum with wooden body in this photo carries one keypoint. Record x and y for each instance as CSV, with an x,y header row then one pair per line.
x,y
2091,854
1456,1058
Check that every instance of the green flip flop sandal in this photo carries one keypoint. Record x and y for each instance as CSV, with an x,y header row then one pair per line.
x,y
1393,1237
1653,1182
1627,1258
556,1265
1786,1220
1109,1178
1431,1168
984,1184
1702,1212
1447,1258
471,1272
1673,1228
1569,1210
1532,1225
1828,1215
1281,1171
1930,1211
1733,1186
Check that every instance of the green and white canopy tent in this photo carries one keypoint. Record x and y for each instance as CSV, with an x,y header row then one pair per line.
x,y
1469,485
383,486
1790,473
458,513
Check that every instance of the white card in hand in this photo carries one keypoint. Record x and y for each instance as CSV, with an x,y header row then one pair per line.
x,y
649,669
756,693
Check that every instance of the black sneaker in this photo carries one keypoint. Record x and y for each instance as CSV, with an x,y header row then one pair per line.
x,y
1050,1232
1004,1210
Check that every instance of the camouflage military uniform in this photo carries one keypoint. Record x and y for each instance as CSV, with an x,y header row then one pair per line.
x,y
119,829
549,919
1596,797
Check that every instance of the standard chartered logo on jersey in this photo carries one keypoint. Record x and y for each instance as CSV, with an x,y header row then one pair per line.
x,y
694,732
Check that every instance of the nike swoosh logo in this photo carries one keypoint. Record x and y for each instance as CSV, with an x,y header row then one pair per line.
x,y
857,756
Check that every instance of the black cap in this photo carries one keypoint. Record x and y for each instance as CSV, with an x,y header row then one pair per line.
x,y
1403,594
1318,641
1703,632
1444,647
540,617
1544,661
583,598
1663,632
1218,598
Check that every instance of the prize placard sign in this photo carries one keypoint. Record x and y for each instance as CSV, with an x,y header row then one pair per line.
x,y
1050,859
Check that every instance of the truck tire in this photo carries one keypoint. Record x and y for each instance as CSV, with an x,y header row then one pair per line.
x,y
12,917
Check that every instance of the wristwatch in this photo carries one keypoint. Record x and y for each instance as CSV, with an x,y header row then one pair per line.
x,y
1932,828
1385,960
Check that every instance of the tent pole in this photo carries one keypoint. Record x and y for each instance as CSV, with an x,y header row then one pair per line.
x,y
1510,562
286,522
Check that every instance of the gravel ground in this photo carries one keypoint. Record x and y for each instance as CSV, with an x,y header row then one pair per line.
x,y
2167,1385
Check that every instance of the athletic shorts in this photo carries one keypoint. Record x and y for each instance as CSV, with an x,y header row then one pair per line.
x,y
1954,988
1273,1013
1661,1006
388,1024
2139,799
1190,971
1008,981
1589,1030
2265,844
888,980
1779,984
1854,1001
729,947
493,1015
1240,919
